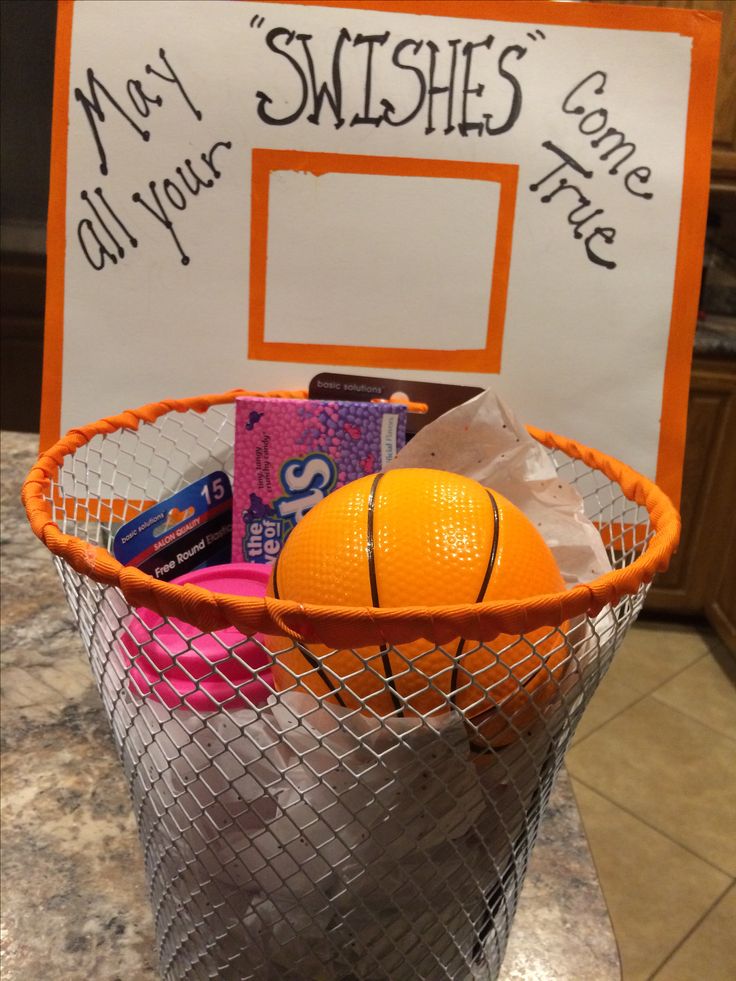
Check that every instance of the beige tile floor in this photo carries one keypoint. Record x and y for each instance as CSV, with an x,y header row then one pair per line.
x,y
653,766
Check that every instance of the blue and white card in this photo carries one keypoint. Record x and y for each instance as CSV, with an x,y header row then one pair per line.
x,y
187,531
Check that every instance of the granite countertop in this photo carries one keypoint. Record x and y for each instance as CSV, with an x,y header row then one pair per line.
x,y
75,904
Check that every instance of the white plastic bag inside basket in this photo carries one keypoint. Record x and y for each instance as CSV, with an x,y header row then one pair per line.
x,y
483,439
322,833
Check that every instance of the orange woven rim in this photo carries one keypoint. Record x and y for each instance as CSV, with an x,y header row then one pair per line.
x,y
338,626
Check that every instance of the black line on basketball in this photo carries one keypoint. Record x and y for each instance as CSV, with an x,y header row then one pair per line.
x,y
275,578
369,542
311,659
494,550
481,594
370,549
321,671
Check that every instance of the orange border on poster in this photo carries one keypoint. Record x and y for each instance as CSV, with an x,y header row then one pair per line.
x,y
487,358
53,332
703,26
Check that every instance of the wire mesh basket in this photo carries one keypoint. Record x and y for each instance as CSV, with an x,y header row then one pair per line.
x,y
285,835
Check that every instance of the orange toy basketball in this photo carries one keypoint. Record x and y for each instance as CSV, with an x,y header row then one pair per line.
x,y
421,538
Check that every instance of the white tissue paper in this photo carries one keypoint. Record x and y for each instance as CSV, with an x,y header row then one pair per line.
x,y
325,844
483,439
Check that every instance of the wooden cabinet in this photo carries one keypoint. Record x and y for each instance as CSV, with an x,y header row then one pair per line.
x,y
724,126
22,286
702,576
720,606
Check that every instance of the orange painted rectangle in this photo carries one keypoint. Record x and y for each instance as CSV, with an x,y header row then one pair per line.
x,y
487,358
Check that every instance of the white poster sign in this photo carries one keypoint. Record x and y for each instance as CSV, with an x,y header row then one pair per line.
x,y
498,194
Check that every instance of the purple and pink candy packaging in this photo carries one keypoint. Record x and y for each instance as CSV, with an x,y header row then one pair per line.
x,y
290,453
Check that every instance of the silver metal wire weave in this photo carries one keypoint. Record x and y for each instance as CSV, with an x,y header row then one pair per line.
x,y
300,840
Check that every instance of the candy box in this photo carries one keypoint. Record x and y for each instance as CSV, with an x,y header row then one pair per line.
x,y
290,453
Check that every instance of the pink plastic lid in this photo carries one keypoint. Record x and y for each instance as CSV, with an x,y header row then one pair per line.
x,y
177,664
